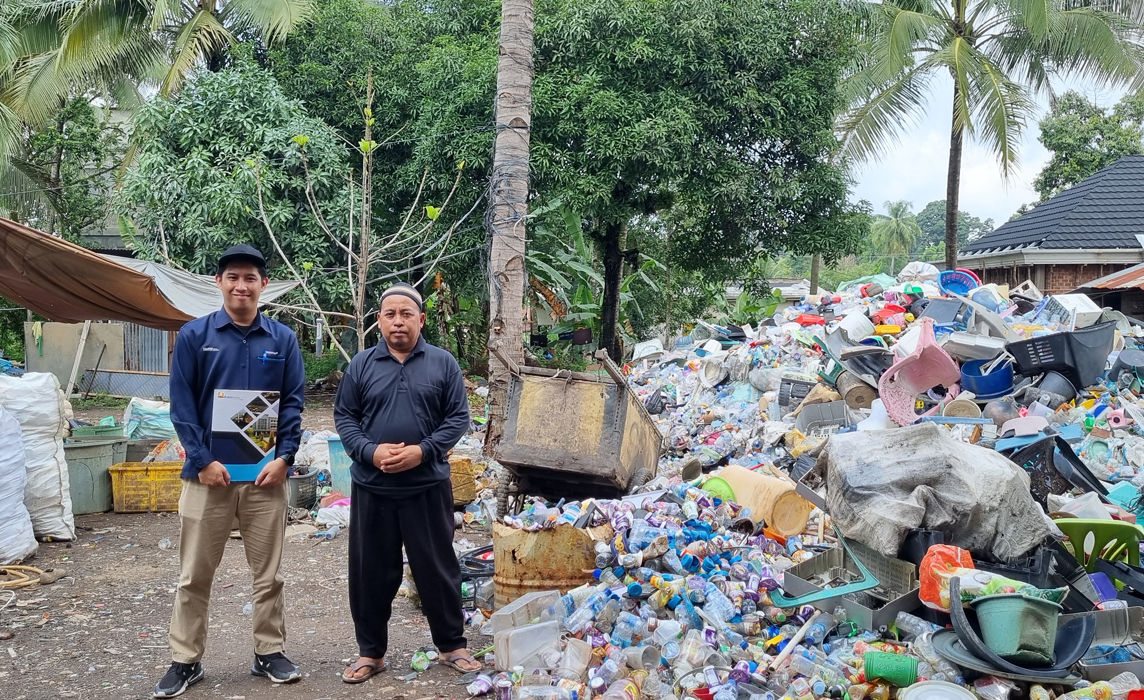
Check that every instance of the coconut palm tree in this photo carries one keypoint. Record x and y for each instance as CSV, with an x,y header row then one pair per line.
x,y
999,54
894,234
52,50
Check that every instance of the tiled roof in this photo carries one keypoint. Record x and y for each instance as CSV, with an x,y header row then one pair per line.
x,y
1104,211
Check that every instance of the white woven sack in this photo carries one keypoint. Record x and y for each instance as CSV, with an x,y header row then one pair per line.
x,y
17,542
37,403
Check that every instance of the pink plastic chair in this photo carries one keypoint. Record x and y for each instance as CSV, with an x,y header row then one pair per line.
x,y
926,367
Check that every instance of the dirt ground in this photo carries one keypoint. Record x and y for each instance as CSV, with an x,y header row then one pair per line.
x,y
101,632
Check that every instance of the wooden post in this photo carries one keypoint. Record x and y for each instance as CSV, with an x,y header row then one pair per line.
x,y
78,357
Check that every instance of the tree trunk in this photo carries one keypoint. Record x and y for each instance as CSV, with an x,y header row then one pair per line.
x,y
815,264
953,186
508,202
613,278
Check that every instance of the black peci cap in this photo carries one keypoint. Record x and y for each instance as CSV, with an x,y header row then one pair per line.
x,y
243,252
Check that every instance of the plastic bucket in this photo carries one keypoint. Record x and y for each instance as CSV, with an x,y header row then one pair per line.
x,y
856,326
997,383
1057,383
1019,629
340,464
956,282
895,669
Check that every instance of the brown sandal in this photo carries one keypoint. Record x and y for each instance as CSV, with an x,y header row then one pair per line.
x,y
459,655
358,665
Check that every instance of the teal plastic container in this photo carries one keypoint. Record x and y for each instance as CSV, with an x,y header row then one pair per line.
x,y
88,479
1019,629
340,466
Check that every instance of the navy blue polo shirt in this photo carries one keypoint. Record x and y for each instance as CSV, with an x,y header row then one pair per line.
x,y
212,353
421,401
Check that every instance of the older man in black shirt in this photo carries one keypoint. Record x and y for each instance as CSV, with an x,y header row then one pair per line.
x,y
400,408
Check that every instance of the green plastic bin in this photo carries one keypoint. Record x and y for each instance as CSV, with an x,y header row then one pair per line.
x,y
1018,628
89,481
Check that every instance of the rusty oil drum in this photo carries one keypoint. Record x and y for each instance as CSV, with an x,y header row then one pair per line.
x,y
561,558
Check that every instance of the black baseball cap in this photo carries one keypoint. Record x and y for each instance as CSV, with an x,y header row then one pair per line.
x,y
242,252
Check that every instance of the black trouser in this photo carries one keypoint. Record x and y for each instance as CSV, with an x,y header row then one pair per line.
x,y
378,527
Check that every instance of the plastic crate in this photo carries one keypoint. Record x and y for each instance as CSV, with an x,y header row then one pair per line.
x,y
142,487
100,431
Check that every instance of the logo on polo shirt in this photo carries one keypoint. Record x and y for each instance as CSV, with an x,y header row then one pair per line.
x,y
210,348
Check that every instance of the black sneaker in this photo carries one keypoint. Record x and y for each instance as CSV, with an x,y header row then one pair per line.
x,y
179,677
276,667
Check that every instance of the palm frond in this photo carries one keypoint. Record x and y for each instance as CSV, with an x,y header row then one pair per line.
x,y
959,57
199,36
107,33
274,19
1000,112
879,119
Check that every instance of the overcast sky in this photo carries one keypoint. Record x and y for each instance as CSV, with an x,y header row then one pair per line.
x,y
915,169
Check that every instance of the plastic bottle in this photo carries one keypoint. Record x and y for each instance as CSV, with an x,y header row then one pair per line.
x,y
817,632
571,514
607,577
923,647
672,561
914,625
606,618
622,689
717,605
1099,690
727,691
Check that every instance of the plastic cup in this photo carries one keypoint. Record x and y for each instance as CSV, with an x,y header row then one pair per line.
x,y
642,658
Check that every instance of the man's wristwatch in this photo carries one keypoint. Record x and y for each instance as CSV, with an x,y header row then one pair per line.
x,y
288,459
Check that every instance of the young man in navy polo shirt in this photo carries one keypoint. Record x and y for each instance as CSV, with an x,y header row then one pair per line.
x,y
235,348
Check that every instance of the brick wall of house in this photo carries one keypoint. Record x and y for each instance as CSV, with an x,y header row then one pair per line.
x,y
1051,279
1060,279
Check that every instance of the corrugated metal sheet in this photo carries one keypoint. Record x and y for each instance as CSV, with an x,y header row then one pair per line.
x,y
144,349
121,383
1130,278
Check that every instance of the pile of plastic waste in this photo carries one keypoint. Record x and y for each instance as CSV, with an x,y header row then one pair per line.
x,y
716,585
685,605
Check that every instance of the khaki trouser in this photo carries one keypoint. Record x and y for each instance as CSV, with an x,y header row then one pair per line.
x,y
206,514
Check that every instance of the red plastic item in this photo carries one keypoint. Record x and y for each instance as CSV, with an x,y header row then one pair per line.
x,y
887,311
703,693
810,320
1136,695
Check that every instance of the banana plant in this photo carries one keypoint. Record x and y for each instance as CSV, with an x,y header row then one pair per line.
x,y
562,261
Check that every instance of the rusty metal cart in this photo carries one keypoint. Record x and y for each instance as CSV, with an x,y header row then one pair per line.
x,y
573,435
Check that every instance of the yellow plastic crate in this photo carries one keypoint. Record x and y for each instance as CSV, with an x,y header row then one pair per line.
x,y
141,487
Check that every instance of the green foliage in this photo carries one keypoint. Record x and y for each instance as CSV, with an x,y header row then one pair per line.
x,y
648,107
12,333
193,193
894,234
999,54
319,367
568,264
53,51
561,355
95,401
60,175
434,73
1085,138
931,221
